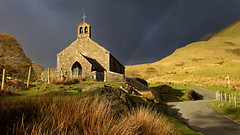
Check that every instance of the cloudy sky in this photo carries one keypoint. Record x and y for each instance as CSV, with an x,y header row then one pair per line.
x,y
134,31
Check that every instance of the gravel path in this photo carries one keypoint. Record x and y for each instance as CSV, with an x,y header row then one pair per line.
x,y
201,117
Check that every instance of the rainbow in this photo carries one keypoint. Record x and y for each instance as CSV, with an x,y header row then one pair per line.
x,y
147,36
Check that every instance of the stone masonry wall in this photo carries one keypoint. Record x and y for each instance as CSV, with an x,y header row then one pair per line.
x,y
86,47
114,77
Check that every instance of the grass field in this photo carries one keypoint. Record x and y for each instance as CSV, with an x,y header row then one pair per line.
x,y
228,110
46,109
199,63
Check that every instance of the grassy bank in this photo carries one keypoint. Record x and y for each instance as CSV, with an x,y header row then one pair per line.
x,y
225,108
64,109
228,110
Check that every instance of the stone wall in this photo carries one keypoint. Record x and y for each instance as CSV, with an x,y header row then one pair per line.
x,y
85,47
114,77
99,76
53,74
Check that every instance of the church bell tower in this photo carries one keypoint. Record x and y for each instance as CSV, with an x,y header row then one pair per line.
x,y
84,29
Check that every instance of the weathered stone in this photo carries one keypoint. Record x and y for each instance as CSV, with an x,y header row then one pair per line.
x,y
191,95
220,105
87,59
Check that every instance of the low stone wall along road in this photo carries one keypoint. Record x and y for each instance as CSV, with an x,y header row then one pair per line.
x,y
200,116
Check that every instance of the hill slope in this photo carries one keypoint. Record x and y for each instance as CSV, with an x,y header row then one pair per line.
x,y
202,63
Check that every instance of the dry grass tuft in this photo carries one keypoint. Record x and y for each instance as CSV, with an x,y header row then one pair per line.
x,y
148,122
79,116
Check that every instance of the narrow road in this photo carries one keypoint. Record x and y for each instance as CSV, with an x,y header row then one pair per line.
x,y
201,117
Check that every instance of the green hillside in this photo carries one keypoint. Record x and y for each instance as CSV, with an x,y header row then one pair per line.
x,y
206,62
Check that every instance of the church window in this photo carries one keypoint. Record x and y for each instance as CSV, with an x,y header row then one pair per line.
x,y
81,30
86,29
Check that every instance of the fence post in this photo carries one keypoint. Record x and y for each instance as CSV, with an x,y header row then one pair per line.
x,y
3,79
221,96
29,75
225,96
217,95
48,75
61,74
235,100
230,99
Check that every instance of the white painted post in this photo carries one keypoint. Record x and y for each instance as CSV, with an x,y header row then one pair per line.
x,y
228,81
3,80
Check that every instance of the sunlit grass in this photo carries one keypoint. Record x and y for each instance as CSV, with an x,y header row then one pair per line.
x,y
79,116
228,109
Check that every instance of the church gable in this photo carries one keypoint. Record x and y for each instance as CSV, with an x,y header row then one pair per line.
x,y
87,59
88,48
76,57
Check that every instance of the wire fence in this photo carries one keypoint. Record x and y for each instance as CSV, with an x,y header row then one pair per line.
x,y
230,98
12,82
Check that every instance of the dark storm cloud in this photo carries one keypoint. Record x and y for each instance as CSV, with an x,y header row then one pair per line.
x,y
45,27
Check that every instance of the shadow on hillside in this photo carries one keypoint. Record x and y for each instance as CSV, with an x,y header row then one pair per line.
x,y
169,94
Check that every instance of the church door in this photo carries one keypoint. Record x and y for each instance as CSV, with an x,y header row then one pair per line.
x,y
76,69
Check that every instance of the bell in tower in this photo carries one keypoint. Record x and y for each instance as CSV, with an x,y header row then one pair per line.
x,y
84,29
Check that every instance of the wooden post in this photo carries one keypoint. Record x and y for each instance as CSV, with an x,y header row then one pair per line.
x,y
225,96
235,100
61,74
216,95
221,96
29,75
48,75
219,99
229,99
3,79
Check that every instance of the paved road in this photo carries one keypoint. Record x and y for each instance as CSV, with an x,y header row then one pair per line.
x,y
201,117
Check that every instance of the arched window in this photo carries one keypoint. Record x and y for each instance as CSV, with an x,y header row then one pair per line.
x,y
86,29
81,29
76,69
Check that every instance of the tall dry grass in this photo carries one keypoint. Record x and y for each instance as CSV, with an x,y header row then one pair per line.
x,y
147,121
82,116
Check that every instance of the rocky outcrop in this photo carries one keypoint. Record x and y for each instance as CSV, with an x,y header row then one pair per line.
x,y
142,89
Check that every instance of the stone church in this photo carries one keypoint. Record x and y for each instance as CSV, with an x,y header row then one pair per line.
x,y
87,59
